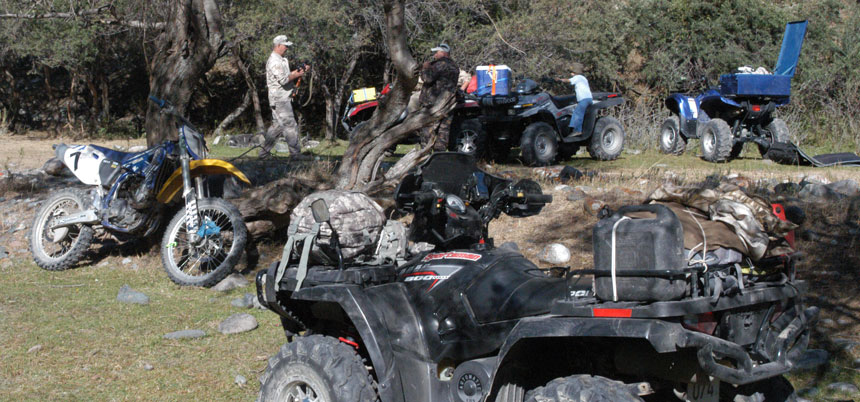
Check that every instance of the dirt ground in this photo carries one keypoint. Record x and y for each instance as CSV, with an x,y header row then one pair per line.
x,y
20,152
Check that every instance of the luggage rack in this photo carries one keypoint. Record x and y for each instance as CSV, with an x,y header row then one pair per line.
x,y
698,303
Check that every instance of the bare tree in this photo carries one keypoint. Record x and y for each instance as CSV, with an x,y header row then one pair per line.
x,y
185,50
360,167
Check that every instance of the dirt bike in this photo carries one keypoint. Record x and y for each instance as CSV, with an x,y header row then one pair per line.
x,y
128,197
470,322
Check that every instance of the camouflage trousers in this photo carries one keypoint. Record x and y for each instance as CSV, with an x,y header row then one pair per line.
x,y
439,131
283,126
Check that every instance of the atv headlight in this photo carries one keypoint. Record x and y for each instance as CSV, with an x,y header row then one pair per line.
x,y
455,203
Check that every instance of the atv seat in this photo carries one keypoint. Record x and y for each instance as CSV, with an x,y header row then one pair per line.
x,y
563,101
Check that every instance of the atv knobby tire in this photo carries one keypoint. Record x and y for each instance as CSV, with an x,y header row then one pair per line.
x,y
319,368
538,144
218,264
468,137
73,241
716,141
671,140
607,140
778,133
583,388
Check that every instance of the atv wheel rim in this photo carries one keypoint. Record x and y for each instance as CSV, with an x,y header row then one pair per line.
x,y
668,137
708,142
543,147
467,143
611,140
55,244
300,391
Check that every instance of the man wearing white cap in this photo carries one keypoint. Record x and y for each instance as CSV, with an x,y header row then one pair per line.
x,y
281,82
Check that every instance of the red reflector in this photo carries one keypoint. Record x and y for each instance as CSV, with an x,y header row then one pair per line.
x,y
348,342
612,96
612,312
756,108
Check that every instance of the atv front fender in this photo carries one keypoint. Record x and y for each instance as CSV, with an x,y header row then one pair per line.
x,y
199,167
361,311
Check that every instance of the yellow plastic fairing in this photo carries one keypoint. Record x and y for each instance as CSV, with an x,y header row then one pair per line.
x,y
198,167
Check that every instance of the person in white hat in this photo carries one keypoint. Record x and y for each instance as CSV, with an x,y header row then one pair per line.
x,y
440,79
281,82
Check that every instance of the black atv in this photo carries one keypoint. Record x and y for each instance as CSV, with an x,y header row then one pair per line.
x,y
537,122
472,322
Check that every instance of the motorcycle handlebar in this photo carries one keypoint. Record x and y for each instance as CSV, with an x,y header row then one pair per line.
x,y
538,198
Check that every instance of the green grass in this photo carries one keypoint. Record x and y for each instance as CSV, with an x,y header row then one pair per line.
x,y
94,348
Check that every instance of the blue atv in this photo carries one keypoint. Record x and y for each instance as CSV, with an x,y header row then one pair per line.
x,y
741,110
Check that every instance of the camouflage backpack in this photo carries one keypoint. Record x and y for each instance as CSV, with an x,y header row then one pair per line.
x,y
356,218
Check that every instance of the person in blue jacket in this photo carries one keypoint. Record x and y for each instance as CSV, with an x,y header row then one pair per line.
x,y
583,96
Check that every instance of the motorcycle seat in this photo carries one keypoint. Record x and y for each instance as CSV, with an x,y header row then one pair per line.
x,y
563,101
116,156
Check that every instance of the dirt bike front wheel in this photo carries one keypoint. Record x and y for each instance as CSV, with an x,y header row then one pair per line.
x,y
209,257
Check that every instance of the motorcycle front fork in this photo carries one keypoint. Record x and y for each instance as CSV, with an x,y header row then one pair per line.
x,y
191,192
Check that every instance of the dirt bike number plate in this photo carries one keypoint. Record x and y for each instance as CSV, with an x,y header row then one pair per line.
x,y
704,389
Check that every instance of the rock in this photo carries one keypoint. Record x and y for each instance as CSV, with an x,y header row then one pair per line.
x,y
3,253
810,392
588,190
56,167
231,282
814,179
843,387
137,148
634,151
260,228
510,246
846,187
245,301
128,295
34,348
126,261
811,359
147,367
282,147
828,322
237,323
555,254
217,140
811,190
185,334
240,380
576,195
593,206
569,173
311,144
20,227
563,187
845,344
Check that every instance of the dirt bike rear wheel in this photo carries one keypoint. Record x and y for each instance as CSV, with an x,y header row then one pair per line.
x,y
59,249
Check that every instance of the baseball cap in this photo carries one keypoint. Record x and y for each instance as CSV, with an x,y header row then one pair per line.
x,y
282,40
443,47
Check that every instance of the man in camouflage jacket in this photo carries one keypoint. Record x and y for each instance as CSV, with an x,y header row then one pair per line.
x,y
281,82
440,79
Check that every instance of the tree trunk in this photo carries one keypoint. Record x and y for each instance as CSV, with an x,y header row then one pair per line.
x,y
360,165
246,101
185,50
334,101
252,90
105,87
